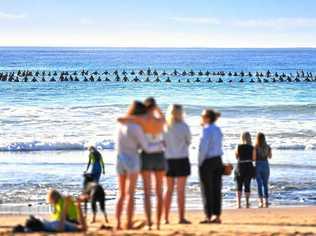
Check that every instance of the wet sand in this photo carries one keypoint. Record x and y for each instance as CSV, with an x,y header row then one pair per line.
x,y
273,221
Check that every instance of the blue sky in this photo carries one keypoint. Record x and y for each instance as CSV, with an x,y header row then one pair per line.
x,y
160,23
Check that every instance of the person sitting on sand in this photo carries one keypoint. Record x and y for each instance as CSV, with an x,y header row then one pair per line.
x,y
263,153
67,215
151,162
96,159
211,166
177,139
245,154
131,138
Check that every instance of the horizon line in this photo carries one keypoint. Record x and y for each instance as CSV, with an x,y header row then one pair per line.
x,y
152,47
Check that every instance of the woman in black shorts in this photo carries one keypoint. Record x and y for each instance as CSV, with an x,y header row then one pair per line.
x,y
152,163
177,139
245,154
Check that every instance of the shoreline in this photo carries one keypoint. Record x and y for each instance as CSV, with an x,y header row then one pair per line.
x,y
20,191
24,209
267,221
140,211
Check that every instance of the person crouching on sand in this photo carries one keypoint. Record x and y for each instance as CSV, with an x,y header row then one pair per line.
x,y
177,139
131,138
67,215
245,154
96,159
211,166
152,163
263,153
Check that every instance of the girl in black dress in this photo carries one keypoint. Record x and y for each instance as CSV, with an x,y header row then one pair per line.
x,y
245,154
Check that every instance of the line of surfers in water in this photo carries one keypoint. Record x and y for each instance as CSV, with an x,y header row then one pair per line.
x,y
95,76
156,147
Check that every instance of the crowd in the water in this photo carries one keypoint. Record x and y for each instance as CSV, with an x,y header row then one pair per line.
x,y
152,75
155,147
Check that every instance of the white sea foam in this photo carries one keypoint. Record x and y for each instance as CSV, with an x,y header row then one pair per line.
x,y
68,116
110,145
54,146
295,147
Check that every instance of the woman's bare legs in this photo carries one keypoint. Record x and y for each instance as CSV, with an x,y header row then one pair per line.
x,y
147,203
159,193
120,200
132,180
159,175
168,197
181,182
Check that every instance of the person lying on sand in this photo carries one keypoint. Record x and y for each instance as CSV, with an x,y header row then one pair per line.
x,y
67,215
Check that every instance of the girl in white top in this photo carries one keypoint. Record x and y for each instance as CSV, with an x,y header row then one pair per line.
x,y
177,139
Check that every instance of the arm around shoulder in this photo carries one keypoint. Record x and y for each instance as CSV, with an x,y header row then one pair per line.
x,y
134,119
140,136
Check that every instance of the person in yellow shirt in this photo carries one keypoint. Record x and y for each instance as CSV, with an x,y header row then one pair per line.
x,y
66,216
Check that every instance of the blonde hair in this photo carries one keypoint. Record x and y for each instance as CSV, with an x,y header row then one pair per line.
x,y
245,138
172,110
53,196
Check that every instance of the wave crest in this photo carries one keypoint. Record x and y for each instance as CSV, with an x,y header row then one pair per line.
x,y
54,146
32,146
295,147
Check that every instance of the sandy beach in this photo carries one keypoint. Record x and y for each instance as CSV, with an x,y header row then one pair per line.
x,y
116,115
273,221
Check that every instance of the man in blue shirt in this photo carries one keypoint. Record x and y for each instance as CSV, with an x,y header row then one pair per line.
x,y
211,166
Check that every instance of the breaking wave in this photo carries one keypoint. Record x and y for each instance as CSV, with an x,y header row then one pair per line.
x,y
54,146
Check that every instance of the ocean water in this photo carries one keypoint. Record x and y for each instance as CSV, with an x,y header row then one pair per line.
x,y
45,127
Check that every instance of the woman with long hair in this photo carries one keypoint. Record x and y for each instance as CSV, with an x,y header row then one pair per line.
x,y
152,163
245,154
263,153
177,139
131,139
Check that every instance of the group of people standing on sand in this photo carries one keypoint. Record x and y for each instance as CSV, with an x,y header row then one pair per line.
x,y
246,154
157,147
